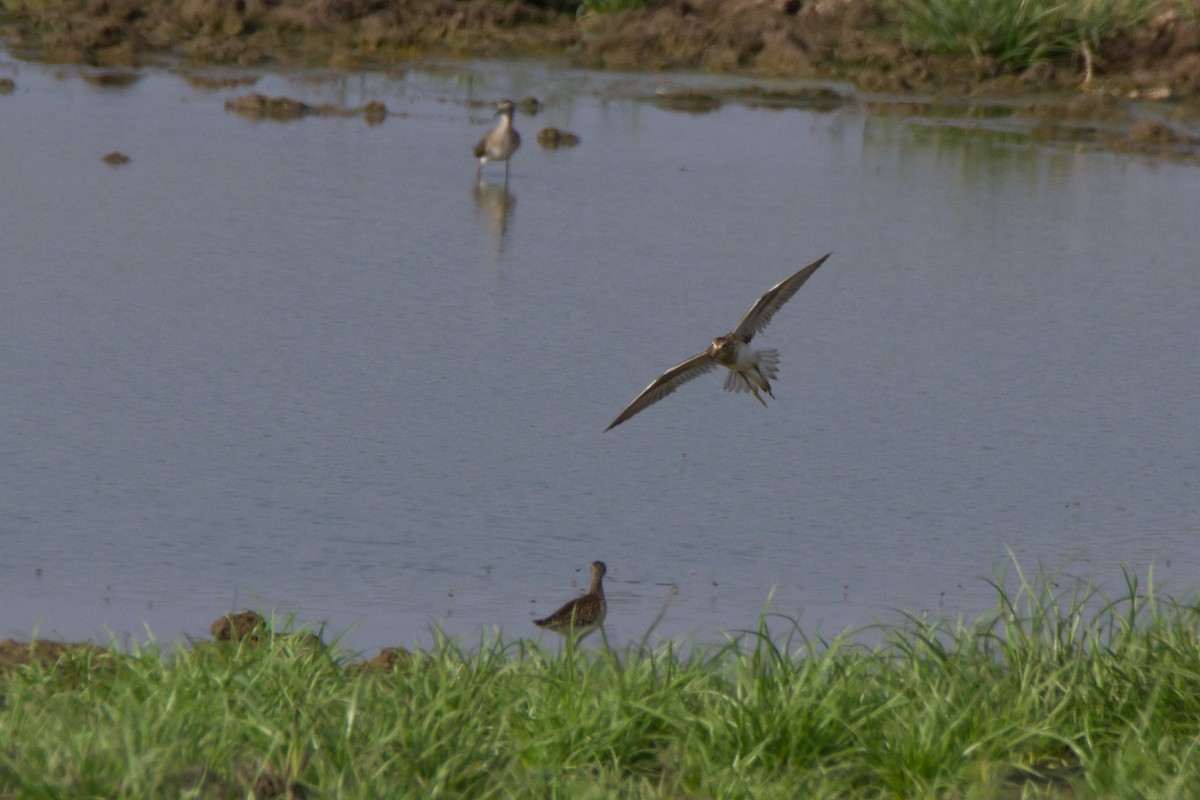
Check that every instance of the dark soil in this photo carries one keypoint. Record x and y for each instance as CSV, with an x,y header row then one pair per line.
x,y
851,39
244,627
46,654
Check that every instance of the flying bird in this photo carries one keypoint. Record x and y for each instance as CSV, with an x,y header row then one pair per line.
x,y
749,370
580,616
500,142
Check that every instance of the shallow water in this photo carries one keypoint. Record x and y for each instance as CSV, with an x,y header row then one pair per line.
x,y
311,366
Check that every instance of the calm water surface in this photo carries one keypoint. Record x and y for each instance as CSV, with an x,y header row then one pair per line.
x,y
311,366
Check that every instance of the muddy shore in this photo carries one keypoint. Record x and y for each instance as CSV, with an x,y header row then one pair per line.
x,y
230,629
845,39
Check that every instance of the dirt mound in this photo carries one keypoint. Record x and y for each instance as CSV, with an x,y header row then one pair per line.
x,y
17,654
1164,52
245,624
780,38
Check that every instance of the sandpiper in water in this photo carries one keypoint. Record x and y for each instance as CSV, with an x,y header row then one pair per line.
x,y
749,370
580,616
500,142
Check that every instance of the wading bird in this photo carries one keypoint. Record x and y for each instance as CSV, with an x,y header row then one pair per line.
x,y
580,616
749,370
500,142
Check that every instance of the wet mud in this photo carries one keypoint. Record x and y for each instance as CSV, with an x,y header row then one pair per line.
x,y
45,654
282,109
846,39
552,138
242,628
1157,64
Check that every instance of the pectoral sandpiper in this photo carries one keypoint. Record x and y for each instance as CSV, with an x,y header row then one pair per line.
x,y
580,616
500,142
749,370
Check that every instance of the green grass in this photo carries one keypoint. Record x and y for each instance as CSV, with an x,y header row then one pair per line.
x,y
610,6
1062,694
1016,33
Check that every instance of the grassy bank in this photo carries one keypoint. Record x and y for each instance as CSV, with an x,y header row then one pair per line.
x,y
883,45
1020,33
1051,695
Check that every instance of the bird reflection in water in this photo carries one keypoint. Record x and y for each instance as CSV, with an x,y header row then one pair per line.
x,y
495,205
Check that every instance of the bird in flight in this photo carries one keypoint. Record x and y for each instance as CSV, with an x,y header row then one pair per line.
x,y
749,370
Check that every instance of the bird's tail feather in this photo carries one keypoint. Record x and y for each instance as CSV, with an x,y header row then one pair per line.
x,y
768,363
734,382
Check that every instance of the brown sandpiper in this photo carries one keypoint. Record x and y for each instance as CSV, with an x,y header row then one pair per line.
x,y
749,370
500,142
580,616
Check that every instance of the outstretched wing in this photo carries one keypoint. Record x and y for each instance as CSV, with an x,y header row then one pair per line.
x,y
666,383
760,314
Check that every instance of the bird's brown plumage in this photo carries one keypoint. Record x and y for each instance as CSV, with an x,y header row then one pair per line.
x,y
580,616
750,371
500,142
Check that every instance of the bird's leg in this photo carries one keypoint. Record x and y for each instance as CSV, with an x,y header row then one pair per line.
x,y
753,390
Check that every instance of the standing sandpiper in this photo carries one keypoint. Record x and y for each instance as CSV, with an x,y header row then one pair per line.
x,y
500,142
580,616
749,370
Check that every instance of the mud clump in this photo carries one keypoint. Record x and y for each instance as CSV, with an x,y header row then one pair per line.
x,y
212,83
388,660
245,624
257,106
753,96
552,138
689,101
7,86
252,628
115,158
111,80
15,654
815,99
374,112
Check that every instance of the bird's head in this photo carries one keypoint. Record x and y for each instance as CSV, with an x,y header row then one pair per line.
x,y
723,348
